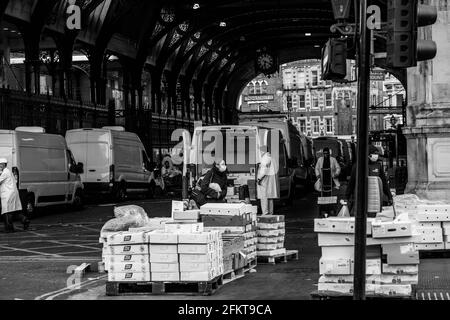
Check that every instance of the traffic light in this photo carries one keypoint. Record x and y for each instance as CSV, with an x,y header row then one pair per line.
x,y
334,59
403,47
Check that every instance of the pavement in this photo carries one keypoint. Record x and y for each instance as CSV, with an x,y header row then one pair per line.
x,y
37,264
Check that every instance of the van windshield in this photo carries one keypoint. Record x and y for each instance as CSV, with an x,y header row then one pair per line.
x,y
236,146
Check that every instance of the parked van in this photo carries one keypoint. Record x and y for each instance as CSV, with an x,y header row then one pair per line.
x,y
241,155
44,167
115,161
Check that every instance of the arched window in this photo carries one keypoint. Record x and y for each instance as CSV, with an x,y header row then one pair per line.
x,y
252,88
264,85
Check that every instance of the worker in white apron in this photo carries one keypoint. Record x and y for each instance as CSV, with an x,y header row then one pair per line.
x,y
268,186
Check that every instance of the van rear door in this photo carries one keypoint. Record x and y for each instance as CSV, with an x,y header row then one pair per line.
x,y
6,147
98,157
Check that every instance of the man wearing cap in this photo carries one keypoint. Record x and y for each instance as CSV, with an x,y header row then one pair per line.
x,y
10,198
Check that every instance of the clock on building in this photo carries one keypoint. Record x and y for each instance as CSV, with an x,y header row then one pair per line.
x,y
266,62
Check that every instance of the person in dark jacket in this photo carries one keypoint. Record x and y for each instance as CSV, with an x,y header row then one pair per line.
x,y
375,170
213,186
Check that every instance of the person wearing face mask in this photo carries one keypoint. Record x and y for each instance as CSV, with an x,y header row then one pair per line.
x,y
10,201
213,186
375,170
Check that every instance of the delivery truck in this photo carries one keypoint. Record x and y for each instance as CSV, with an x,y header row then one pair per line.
x,y
44,167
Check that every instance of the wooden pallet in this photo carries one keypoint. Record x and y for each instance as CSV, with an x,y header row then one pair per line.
x,y
202,288
331,295
233,275
250,265
285,257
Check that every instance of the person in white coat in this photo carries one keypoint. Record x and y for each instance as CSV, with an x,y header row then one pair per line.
x,y
331,172
10,198
268,185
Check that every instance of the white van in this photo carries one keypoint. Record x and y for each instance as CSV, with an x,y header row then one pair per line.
x,y
44,167
115,161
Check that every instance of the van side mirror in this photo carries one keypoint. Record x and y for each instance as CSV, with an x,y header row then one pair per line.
x,y
80,168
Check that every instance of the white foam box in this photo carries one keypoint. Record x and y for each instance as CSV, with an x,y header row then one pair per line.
x,y
436,224
180,227
447,245
429,246
161,237
393,289
158,223
187,215
120,267
433,216
446,225
427,230
165,267
129,276
269,233
196,267
341,239
126,249
267,246
165,276
196,248
374,278
347,252
271,226
127,258
335,266
431,238
163,248
339,225
251,209
266,240
391,229
446,231
198,276
399,278
344,288
271,253
126,237
400,269
398,248
197,258
198,238
401,259
164,258
226,209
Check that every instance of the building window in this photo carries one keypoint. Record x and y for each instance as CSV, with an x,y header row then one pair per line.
x,y
302,101
329,125
399,100
315,102
314,78
252,88
354,124
315,126
258,88
302,125
329,99
374,100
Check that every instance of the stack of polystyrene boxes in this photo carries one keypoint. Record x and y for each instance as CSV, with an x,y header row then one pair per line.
x,y
127,257
185,252
271,234
433,223
233,219
393,240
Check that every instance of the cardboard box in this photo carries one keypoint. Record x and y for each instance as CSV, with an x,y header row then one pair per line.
x,y
198,276
164,258
227,209
271,226
166,276
267,246
127,249
199,238
177,206
335,266
160,237
344,288
269,233
266,240
163,248
370,279
226,220
398,248
429,246
402,259
270,219
400,269
125,267
394,290
431,238
129,276
126,237
195,248
187,215
391,229
180,227
399,279
339,225
340,239
344,252
373,266
446,245
165,267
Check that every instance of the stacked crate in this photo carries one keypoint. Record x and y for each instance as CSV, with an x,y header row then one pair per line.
x,y
233,220
127,257
391,258
271,235
433,224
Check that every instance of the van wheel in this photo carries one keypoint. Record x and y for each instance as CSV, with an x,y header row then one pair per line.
x,y
121,194
78,200
30,208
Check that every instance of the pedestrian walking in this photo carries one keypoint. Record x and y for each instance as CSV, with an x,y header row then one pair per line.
x,y
11,206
